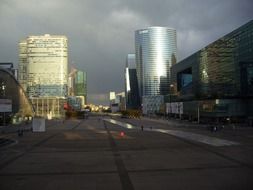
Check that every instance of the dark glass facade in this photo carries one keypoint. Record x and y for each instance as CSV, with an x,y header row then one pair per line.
x,y
11,90
221,70
133,99
80,84
131,84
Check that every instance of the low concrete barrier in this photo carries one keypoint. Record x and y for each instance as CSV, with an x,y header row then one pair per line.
x,y
38,124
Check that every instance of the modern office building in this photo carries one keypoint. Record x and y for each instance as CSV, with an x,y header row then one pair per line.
x,y
78,85
117,102
43,72
131,84
22,67
156,52
71,77
14,104
217,81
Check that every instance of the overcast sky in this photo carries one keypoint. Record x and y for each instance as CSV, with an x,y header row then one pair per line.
x,y
101,32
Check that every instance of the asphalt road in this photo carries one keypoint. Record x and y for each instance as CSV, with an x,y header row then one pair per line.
x,y
97,154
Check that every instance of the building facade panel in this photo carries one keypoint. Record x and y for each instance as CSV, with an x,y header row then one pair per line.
x,y
153,104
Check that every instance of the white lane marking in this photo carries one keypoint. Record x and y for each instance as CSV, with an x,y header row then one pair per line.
x,y
182,134
126,125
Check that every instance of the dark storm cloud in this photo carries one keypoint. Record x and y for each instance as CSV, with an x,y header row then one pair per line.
x,y
101,33
197,22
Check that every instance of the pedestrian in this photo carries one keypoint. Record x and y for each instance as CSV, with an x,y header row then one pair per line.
x,y
233,126
20,132
142,127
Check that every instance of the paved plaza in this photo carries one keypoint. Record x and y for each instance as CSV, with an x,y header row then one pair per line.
x,y
115,153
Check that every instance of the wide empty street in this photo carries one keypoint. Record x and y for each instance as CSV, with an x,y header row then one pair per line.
x,y
115,153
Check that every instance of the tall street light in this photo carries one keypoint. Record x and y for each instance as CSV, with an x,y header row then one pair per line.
x,y
171,87
3,88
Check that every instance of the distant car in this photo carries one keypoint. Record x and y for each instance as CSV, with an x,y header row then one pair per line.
x,y
124,116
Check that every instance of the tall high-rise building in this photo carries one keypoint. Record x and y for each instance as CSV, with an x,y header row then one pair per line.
x,y
22,70
156,52
117,101
43,72
131,83
78,84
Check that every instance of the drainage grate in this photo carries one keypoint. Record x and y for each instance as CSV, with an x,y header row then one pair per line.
x,y
5,142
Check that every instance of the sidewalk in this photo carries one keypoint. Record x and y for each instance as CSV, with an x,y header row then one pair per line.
x,y
239,134
177,122
16,128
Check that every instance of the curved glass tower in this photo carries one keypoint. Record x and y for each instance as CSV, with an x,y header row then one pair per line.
x,y
155,49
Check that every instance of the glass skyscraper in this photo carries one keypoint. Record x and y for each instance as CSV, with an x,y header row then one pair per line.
x,y
22,70
80,85
156,52
47,68
131,83
43,64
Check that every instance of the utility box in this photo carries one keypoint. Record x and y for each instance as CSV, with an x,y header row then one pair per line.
x,y
39,124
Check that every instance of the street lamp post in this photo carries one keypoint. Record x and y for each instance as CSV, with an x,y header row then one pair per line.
x,y
171,87
198,114
3,88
